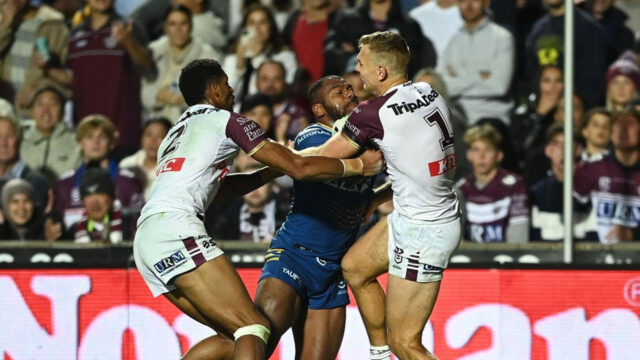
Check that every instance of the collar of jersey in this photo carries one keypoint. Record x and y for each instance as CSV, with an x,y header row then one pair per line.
x,y
399,85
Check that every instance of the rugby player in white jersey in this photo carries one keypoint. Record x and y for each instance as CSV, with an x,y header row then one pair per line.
x,y
410,123
173,252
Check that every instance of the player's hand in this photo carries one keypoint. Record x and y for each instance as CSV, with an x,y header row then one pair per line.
x,y
372,162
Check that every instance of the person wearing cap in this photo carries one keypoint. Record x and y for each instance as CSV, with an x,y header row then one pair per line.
x,y
102,217
48,144
21,218
623,83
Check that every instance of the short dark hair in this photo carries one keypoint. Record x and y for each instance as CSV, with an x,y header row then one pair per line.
x,y
593,111
178,8
157,120
314,89
196,77
273,62
254,100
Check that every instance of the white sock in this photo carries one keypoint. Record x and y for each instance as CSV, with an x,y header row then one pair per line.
x,y
379,352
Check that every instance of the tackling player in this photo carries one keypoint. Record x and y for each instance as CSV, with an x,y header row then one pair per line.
x,y
173,252
410,123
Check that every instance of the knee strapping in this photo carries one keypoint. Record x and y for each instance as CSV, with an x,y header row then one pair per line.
x,y
258,330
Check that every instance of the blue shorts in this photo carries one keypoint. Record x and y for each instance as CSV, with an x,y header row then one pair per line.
x,y
318,281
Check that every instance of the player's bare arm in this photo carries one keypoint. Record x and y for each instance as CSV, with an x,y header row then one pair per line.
x,y
239,184
339,147
381,195
317,168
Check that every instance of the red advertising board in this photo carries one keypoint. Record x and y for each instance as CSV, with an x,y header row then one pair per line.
x,y
480,314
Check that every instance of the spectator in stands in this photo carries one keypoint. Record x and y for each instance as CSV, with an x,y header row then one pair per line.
x,y
477,64
255,217
578,111
378,15
439,20
431,76
596,132
306,30
48,144
259,108
96,136
531,119
545,45
33,44
547,195
210,20
161,96
623,83
143,162
611,185
102,219
612,19
11,164
259,41
495,205
22,219
289,117
106,55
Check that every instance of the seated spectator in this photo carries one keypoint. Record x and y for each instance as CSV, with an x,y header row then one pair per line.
x,y
107,55
102,219
96,136
259,108
341,44
161,96
547,196
306,30
477,64
254,217
611,185
597,134
531,119
494,201
48,144
11,164
623,83
143,162
431,77
33,44
258,41
289,117
22,219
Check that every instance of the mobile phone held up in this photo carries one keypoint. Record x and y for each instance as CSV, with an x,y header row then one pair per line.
x,y
42,46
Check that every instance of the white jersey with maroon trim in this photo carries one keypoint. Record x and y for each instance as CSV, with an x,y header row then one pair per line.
x,y
195,156
410,123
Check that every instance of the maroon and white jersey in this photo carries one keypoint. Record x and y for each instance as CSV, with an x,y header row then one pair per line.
x,y
196,155
410,123
503,202
614,192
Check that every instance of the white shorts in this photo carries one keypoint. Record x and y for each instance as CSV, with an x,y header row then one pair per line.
x,y
419,251
168,245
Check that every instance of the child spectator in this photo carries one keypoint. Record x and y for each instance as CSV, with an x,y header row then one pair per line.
x,y
495,204
597,134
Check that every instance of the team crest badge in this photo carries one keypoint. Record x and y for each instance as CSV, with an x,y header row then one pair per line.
x,y
604,182
509,180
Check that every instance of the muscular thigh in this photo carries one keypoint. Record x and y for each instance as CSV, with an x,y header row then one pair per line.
x,y
409,305
369,253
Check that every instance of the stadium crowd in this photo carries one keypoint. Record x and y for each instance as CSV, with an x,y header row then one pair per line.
x,y
89,90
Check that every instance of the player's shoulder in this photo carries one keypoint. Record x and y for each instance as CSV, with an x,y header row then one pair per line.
x,y
509,179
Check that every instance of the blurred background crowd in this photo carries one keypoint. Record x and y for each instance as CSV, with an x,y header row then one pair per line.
x,y
89,89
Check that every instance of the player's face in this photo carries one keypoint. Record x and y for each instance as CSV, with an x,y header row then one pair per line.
x,y
8,142
97,205
368,70
20,209
625,134
621,90
551,84
262,115
224,98
598,130
472,10
95,145
339,99
484,157
47,111
178,29
358,86
152,138
270,80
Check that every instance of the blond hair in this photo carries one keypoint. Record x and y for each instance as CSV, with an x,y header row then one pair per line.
x,y
14,124
96,121
389,49
485,133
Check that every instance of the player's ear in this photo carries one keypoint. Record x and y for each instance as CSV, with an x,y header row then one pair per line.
x,y
382,73
318,110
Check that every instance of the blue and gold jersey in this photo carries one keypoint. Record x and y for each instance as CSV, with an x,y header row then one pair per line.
x,y
325,216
